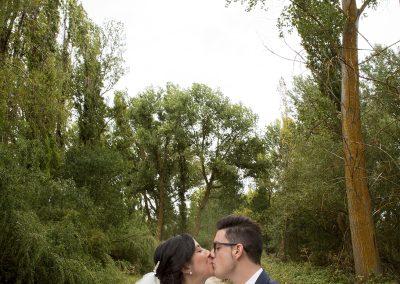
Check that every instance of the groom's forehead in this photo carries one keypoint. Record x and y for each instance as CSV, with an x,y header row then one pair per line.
x,y
220,236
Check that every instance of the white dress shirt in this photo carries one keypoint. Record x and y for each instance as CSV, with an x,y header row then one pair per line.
x,y
253,278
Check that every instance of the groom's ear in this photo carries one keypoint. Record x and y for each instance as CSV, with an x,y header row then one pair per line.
x,y
238,251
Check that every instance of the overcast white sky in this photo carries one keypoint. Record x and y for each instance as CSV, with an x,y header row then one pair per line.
x,y
187,41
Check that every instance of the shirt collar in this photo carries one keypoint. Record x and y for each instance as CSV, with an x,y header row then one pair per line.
x,y
254,278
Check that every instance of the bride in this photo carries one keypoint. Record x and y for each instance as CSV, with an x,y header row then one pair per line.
x,y
180,260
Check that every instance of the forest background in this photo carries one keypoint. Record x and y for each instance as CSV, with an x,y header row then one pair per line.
x,y
89,189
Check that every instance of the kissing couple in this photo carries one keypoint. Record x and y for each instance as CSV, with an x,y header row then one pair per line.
x,y
235,255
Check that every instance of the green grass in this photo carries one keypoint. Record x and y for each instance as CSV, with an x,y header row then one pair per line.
x,y
135,278
292,272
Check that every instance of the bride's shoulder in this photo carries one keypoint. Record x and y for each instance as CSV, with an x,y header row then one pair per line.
x,y
148,278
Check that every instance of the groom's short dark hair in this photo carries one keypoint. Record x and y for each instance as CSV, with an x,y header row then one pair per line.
x,y
240,229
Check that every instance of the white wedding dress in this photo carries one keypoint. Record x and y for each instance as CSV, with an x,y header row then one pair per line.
x,y
149,278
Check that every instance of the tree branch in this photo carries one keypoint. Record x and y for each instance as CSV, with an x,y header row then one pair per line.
x,y
363,6
379,53
280,56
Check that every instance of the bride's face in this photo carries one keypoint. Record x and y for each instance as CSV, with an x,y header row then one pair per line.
x,y
201,262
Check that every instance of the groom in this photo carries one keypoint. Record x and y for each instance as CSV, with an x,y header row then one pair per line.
x,y
237,251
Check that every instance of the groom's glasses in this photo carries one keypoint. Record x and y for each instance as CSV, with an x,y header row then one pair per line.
x,y
217,245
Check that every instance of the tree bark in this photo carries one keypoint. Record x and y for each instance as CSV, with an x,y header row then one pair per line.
x,y
161,208
146,206
183,176
203,201
282,246
162,189
202,204
365,251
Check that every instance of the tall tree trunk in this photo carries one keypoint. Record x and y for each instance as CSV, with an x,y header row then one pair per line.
x,y
203,201
146,206
162,188
342,221
366,258
282,246
161,204
181,194
161,207
60,126
202,204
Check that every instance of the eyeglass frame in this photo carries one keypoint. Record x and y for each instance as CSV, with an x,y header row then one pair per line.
x,y
225,244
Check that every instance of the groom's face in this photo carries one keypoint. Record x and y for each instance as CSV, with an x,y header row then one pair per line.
x,y
222,258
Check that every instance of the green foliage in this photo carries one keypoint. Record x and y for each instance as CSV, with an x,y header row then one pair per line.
x,y
52,223
319,24
214,210
62,204
133,242
184,140
122,135
381,114
251,4
307,216
305,272
307,191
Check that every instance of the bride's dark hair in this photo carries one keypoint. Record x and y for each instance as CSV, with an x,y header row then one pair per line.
x,y
173,254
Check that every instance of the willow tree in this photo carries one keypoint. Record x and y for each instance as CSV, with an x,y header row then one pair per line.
x,y
366,257
32,93
98,64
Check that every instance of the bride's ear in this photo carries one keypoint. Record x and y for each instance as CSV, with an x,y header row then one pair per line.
x,y
186,269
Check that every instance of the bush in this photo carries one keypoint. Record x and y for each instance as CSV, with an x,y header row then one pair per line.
x,y
52,232
134,243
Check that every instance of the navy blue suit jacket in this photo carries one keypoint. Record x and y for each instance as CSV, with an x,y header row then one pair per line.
x,y
264,279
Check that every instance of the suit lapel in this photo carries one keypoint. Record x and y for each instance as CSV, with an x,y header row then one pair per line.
x,y
263,278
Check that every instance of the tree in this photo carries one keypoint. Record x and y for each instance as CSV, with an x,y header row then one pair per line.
x,y
186,141
365,249
152,144
181,117
98,61
307,216
380,113
222,137
366,258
